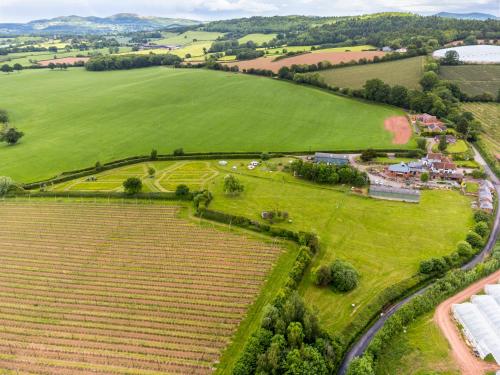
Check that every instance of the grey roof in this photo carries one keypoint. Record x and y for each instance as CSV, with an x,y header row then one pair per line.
x,y
331,156
486,205
488,184
395,190
399,168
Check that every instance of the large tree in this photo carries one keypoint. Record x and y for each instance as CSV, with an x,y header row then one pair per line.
x,y
11,136
132,185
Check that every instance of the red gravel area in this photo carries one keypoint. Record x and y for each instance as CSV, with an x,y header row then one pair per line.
x,y
399,126
307,58
65,60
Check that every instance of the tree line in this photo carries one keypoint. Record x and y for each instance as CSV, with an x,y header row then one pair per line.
x,y
329,173
122,62
386,29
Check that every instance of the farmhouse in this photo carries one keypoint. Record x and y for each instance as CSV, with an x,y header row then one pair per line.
x,y
331,159
436,164
406,169
430,123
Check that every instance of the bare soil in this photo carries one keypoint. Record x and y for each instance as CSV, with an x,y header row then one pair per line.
x,y
307,58
400,127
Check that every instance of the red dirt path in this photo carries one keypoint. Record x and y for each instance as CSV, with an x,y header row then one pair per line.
x,y
308,58
400,127
65,60
469,364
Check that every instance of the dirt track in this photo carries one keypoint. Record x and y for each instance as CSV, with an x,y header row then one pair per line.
x,y
308,58
399,126
468,363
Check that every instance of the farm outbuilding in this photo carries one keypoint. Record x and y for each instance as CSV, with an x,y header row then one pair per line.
x,y
331,159
480,321
394,193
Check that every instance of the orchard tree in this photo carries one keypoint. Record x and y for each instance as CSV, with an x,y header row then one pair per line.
x,y
132,185
344,276
232,185
5,185
451,58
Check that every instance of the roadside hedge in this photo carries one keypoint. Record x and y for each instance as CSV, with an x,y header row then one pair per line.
x,y
102,194
490,159
450,284
302,238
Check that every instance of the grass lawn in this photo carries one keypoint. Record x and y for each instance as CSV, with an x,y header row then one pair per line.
x,y
74,118
422,350
474,79
30,58
471,187
384,240
257,38
406,72
188,37
457,148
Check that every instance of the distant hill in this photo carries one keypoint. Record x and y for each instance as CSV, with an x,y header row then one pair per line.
x,y
468,16
118,23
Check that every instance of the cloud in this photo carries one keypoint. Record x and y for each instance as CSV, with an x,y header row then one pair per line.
x,y
24,10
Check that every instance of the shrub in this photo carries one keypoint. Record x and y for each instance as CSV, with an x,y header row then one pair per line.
x,y
344,276
4,116
368,155
464,249
322,275
481,216
474,239
151,171
482,229
424,177
181,190
154,154
11,136
178,152
5,185
132,185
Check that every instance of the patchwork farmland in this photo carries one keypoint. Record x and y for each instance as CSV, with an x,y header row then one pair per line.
x,y
407,72
473,79
128,289
307,58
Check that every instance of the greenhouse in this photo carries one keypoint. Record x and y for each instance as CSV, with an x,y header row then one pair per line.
x,y
480,320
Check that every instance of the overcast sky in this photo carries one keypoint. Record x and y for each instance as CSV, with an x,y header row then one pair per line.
x,y
26,10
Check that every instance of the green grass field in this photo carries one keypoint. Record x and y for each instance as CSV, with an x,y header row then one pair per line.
x,y
422,350
384,240
488,114
74,118
257,38
474,79
406,72
31,58
188,37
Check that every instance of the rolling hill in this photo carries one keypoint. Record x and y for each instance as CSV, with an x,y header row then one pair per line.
x,y
118,23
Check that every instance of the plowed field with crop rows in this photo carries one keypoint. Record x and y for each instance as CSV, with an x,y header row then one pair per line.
x,y
120,289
